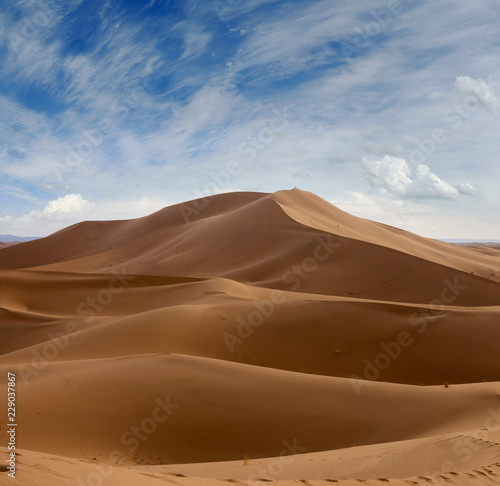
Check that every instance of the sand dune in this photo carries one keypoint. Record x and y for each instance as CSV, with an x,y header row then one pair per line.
x,y
246,409
212,318
262,242
275,328
388,464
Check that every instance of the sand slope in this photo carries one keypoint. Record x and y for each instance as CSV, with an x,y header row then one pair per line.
x,y
251,325
216,318
246,410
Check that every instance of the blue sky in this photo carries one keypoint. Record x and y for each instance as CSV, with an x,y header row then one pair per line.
x,y
388,109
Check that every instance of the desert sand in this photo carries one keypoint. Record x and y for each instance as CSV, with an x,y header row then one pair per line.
x,y
250,338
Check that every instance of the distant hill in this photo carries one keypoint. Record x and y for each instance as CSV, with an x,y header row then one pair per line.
x,y
6,244
490,248
10,240
17,239
470,242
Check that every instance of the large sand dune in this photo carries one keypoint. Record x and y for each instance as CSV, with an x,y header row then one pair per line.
x,y
217,339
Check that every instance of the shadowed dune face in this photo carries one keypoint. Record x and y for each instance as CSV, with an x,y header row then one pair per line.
x,y
223,328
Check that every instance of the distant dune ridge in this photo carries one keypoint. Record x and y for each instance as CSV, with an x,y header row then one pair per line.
x,y
251,336
9,240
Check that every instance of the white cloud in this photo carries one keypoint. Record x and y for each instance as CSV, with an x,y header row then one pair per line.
x,y
64,207
481,91
468,189
55,215
392,175
429,185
